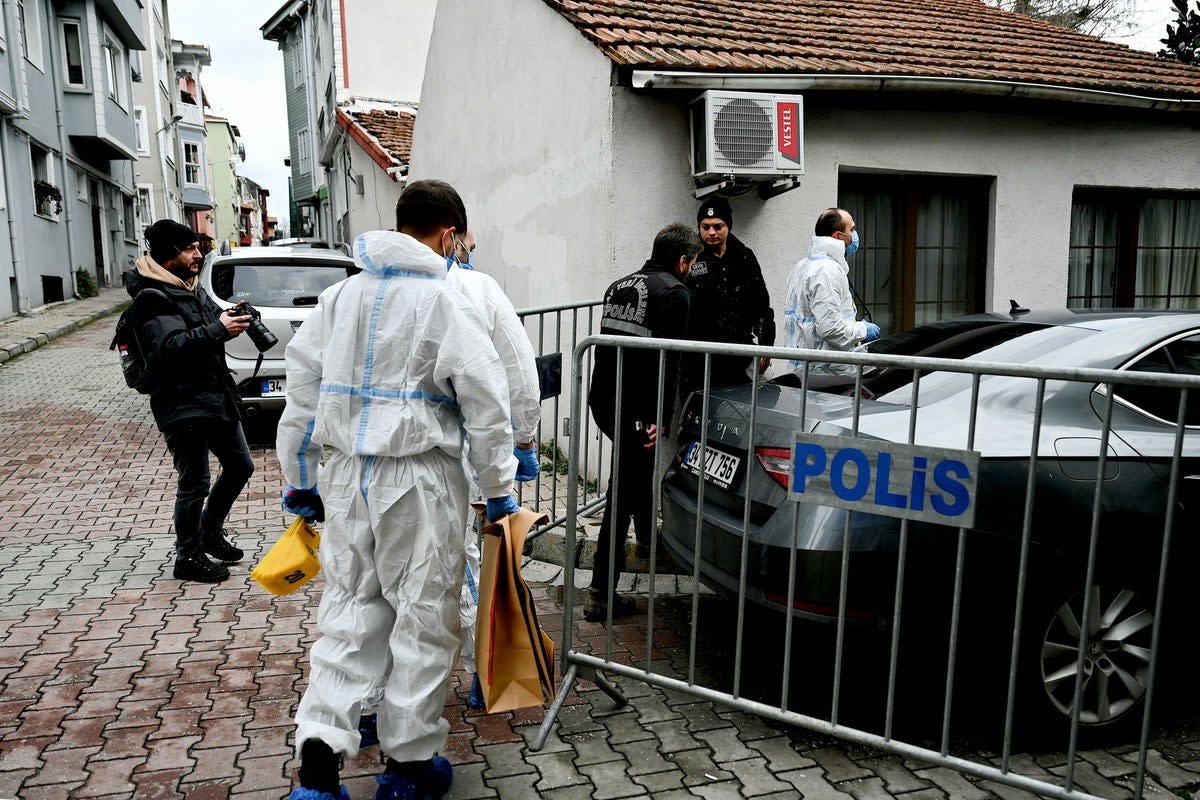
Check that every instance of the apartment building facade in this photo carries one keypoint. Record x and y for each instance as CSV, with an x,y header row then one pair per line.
x,y
158,175
342,61
68,144
189,61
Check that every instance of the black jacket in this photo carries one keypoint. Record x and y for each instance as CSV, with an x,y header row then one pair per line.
x,y
652,303
184,343
730,303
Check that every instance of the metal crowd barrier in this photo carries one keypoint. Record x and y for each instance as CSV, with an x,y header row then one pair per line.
x,y
594,666
550,329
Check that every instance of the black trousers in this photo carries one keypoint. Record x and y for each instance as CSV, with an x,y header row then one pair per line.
x,y
633,499
190,443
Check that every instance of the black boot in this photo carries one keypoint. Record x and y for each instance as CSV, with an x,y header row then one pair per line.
x,y
220,548
197,567
319,767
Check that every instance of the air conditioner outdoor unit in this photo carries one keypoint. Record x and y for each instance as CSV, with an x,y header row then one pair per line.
x,y
747,135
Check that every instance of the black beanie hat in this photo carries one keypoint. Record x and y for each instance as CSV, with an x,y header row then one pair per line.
x,y
168,238
716,207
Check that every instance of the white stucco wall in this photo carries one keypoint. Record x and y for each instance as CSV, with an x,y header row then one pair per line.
x,y
387,44
520,122
567,178
375,208
1036,163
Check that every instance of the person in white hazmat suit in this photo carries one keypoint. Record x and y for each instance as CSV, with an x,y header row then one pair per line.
x,y
393,371
524,397
819,312
525,404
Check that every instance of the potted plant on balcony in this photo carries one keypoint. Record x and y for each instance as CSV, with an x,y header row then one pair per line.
x,y
44,195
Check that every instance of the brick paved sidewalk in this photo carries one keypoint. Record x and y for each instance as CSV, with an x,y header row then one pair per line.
x,y
22,334
117,681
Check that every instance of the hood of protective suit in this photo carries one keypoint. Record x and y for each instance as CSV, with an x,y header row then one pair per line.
x,y
390,254
393,362
831,248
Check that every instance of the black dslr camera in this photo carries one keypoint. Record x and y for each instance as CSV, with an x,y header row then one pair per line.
x,y
259,333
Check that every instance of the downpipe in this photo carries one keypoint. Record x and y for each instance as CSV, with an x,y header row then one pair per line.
x,y
62,156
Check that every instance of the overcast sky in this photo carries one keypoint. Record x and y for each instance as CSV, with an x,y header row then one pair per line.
x,y
245,80
244,83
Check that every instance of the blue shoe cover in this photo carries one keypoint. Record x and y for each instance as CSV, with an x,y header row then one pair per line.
x,y
475,700
368,730
395,787
304,793
439,777
433,783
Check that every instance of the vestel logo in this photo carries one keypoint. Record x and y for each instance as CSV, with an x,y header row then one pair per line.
x,y
787,121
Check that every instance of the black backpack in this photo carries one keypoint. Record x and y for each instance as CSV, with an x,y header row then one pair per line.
x,y
134,365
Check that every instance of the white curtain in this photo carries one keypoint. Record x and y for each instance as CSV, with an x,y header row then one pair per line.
x,y
1152,284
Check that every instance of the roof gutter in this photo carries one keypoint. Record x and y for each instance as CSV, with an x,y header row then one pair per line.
x,y
798,82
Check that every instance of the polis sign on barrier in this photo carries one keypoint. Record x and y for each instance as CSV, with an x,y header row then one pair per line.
x,y
931,484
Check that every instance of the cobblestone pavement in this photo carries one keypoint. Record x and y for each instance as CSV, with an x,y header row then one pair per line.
x,y
117,681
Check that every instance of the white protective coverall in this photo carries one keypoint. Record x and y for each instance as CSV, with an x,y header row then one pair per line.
x,y
392,371
524,397
819,313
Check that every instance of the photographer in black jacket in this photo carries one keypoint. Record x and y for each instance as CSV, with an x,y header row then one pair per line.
x,y
652,302
730,302
196,404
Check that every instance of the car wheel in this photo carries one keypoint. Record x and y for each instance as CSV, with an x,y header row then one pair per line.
x,y
1115,656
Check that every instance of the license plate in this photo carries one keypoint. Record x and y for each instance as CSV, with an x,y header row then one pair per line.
x,y
273,387
719,467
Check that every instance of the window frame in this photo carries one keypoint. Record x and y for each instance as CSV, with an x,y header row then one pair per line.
x,y
145,190
298,62
163,67
77,24
198,165
128,218
303,152
27,27
1127,206
141,130
43,160
115,68
906,191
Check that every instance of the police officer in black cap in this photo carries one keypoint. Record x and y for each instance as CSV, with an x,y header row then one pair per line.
x,y
730,302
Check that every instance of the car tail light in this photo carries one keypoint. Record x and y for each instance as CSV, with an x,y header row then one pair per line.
x,y
818,608
777,461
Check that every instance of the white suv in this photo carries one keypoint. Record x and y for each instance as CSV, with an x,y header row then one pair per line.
x,y
282,283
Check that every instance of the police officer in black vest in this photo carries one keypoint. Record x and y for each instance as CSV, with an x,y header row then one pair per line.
x,y
730,302
652,302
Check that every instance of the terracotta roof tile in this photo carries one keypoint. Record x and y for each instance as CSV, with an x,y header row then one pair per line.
x,y
927,38
392,129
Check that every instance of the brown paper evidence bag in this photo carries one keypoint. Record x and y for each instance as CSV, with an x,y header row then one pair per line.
x,y
514,656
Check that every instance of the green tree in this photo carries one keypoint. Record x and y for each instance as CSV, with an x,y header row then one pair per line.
x,y
1094,17
1183,38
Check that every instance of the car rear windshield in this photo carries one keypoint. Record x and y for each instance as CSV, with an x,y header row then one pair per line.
x,y
1031,344
275,285
959,338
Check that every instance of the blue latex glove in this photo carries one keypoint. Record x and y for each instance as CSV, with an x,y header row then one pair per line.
x,y
872,332
498,507
527,463
304,503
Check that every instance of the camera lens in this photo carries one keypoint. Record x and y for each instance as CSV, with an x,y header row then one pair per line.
x,y
261,335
